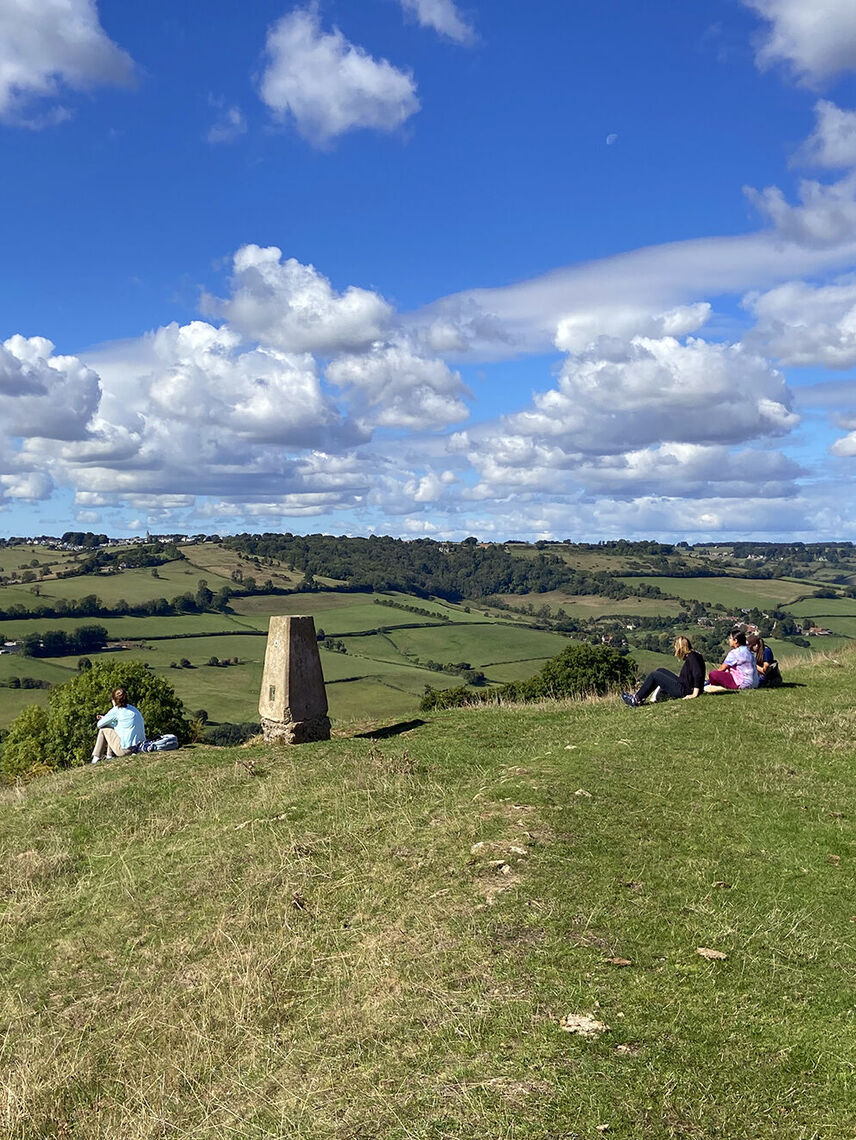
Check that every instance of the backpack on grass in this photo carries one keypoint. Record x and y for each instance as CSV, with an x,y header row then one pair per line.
x,y
773,676
165,743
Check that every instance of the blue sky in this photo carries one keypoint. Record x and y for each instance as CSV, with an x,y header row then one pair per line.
x,y
428,267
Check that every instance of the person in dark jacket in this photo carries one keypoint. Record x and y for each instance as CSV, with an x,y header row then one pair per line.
x,y
686,686
765,660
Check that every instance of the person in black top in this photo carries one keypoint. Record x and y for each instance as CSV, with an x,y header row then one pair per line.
x,y
689,684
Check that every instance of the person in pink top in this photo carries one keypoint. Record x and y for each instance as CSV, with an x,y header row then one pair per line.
x,y
738,670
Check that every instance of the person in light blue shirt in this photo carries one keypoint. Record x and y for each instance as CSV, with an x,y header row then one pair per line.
x,y
120,731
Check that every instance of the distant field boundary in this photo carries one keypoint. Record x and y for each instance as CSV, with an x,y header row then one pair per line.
x,y
263,632
187,636
381,629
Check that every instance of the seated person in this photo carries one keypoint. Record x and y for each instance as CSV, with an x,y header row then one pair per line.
x,y
765,661
120,731
689,684
738,670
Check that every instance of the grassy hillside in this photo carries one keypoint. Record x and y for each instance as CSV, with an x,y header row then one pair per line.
x,y
384,938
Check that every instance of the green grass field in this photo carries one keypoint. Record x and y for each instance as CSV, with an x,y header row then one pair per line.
x,y
481,645
388,939
119,628
135,586
845,626
592,606
210,558
824,607
21,558
741,593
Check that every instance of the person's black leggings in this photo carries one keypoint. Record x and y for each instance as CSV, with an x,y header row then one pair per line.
x,y
668,682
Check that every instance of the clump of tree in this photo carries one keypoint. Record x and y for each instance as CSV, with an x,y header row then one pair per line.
x,y
84,538
333,644
579,670
59,643
61,736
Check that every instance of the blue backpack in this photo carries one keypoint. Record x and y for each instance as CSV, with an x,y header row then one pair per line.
x,y
165,743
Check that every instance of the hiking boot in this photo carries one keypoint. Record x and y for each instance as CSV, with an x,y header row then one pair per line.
x,y
631,700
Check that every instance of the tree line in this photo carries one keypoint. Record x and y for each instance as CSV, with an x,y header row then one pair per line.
x,y
452,571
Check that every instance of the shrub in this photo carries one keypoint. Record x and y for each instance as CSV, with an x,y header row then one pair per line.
x,y
578,670
582,669
436,699
63,736
228,735
25,744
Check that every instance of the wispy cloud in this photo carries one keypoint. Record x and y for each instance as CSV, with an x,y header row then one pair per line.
x,y
229,125
443,16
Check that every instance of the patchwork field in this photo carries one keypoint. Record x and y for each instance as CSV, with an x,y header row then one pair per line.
x,y
379,673
375,674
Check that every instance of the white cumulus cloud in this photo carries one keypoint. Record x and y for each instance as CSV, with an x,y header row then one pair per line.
x,y
190,411
649,416
845,446
392,386
825,217
329,86
648,390
46,45
293,307
802,324
31,486
832,143
441,15
815,38
52,397
685,470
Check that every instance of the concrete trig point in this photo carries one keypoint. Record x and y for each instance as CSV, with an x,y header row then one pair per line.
x,y
293,703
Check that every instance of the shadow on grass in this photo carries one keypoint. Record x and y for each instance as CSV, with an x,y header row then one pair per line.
x,y
390,730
